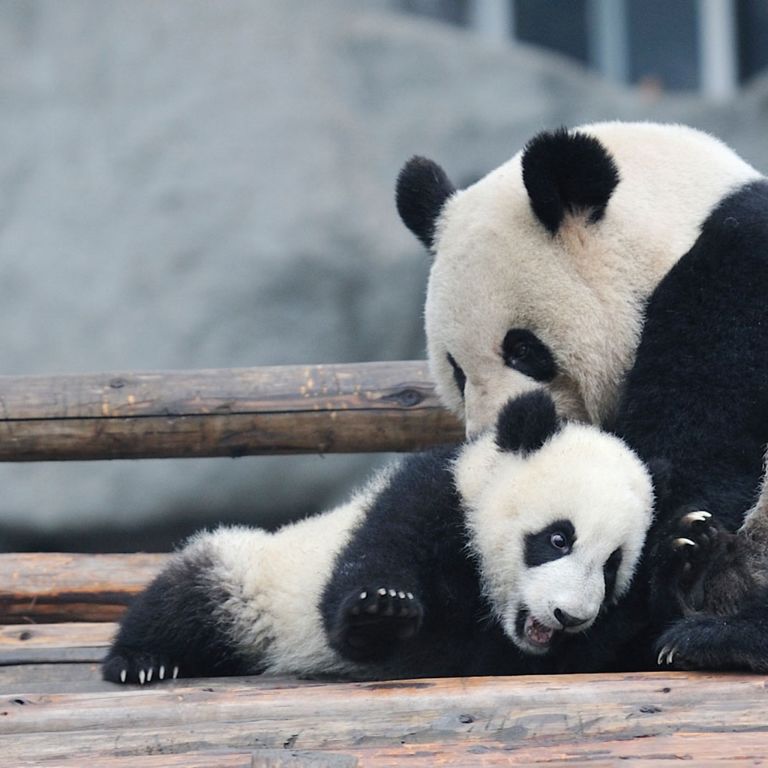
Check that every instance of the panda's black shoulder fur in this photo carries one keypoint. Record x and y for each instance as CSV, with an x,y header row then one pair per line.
x,y
697,397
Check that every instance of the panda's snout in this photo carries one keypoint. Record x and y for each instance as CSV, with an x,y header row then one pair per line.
x,y
567,621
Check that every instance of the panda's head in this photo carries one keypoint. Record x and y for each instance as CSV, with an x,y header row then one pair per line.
x,y
542,268
557,515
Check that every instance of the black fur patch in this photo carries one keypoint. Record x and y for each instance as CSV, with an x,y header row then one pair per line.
x,y
458,374
422,189
610,571
567,172
527,422
539,548
524,351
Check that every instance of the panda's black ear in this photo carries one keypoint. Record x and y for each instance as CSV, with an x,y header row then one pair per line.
x,y
422,189
567,172
527,422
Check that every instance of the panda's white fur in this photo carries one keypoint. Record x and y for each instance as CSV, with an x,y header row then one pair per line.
x,y
581,290
258,595
582,475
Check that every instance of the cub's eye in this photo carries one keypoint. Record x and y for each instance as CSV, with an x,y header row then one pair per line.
x,y
458,374
519,351
527,353
560,542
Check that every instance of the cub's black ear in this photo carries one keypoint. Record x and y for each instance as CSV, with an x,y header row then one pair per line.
x,y
567,172
526,422
422,189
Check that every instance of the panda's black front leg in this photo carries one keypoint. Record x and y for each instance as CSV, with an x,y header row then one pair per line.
x,y
370,623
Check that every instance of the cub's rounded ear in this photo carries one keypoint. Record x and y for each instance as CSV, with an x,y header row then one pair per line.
x,y
567,172
422,189
527,422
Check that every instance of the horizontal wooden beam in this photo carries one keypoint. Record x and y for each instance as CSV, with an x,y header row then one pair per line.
x,y
53,587
228,412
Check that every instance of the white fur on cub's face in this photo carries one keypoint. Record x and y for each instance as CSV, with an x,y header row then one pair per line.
x,y
582,291
582,475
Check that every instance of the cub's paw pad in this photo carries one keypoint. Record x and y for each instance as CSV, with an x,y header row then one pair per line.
x,y
371,622
138,668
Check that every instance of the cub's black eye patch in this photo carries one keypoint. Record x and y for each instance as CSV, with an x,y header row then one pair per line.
x,y
550,543
610,571
458,374
525,352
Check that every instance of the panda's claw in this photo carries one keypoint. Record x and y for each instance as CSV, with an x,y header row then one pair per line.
x,y
666,655
684,541
381,592
142,677
175,672
161,672
123,675
698,516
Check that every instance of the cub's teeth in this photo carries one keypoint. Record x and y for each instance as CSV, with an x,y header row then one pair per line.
x,y
683,542
697,517
123,675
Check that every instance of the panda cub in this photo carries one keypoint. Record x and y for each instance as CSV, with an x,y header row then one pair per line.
x,y
523,534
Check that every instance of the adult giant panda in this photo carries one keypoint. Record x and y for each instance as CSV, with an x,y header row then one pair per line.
x,y
521,535
542,269
544,275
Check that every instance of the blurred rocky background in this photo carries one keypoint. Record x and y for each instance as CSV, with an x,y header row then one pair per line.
x,y
195,184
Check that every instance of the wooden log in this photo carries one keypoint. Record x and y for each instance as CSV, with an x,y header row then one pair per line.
x,y
230,412
595,719
45,587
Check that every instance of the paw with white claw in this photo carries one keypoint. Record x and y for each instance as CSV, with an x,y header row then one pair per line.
x,y
666,655
134,668
372,622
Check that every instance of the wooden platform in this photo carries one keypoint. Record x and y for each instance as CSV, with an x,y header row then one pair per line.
x,y
56,620
55,711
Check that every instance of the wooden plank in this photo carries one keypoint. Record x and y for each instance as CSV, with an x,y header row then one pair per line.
x,y
228,412
551,717
54,587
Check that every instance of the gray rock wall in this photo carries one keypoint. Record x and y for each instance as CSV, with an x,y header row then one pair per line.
x,y
191,184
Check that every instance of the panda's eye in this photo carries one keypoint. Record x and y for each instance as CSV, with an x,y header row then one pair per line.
x,y
550,543
526,353
458,374
560,542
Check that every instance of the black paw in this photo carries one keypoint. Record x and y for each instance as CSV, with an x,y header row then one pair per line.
x,y
126,667
712,643
372,622
685,554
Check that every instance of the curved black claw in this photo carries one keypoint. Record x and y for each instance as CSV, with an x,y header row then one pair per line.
x,y
372,622
129,667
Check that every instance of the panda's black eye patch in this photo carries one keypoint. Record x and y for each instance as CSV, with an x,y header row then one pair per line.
x,y
458,374
524,351
550,543
610,571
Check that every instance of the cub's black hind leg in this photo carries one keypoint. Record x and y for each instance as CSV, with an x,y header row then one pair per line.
x,y
371,622
174,629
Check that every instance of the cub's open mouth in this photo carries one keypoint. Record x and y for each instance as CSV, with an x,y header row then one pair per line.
x,y
536,632
533,635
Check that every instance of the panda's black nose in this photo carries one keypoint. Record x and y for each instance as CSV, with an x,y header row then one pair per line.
x,y
568,621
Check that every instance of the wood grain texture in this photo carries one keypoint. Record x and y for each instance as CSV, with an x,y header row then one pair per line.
x,y
587,719
228,412
53,587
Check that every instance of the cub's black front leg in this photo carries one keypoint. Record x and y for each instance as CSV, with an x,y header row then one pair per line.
x,y
369,623
171,629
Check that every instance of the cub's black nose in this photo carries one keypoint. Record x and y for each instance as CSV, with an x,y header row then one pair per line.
x,y
567,620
